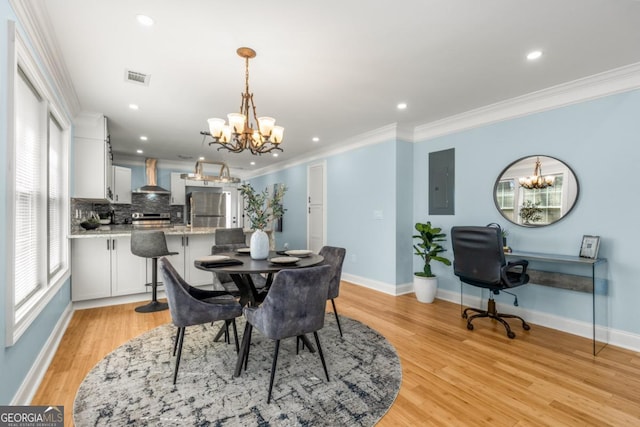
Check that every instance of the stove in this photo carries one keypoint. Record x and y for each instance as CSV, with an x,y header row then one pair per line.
x,y
148,220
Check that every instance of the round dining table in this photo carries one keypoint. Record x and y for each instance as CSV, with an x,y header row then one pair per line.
x,y
241,271
243,266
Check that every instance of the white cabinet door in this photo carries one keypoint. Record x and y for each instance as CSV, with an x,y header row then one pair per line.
x,y
90,174
199,245
177,189
90,268
175,244
128,271
121,185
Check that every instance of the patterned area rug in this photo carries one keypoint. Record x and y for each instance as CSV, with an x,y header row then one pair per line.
x,y
133,384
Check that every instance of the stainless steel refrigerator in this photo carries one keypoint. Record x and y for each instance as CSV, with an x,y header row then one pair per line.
x,y
207,209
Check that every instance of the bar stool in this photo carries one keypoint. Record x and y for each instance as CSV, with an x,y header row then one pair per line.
x,y
151,244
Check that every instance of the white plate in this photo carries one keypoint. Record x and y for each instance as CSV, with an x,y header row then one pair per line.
x,y
300,253
284,260
243,250
212,258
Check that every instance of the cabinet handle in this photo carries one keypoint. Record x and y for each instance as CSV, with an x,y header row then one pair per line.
x,y
108,244
187,237
113,244
116,197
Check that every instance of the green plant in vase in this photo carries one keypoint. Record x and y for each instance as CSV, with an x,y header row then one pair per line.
x,y
261,208
530,212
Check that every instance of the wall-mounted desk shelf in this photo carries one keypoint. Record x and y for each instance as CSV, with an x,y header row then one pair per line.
x,y
587,275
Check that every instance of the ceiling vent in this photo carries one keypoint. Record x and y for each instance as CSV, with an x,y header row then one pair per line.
x,y
136,77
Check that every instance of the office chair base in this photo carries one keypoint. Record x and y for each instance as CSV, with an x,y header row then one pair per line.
x,y
152,307
492,313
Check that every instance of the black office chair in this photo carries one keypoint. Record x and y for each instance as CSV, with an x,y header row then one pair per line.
x,y
294,306
334,257
479,261
191,306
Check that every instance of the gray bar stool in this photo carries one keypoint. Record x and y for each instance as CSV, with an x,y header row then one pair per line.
x,y
151,244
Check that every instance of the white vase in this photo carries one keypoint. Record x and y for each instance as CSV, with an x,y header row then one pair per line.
x,y
259,245
425,288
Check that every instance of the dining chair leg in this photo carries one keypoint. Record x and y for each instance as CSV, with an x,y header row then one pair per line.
x,y
181,339
324,365
335,312
175,341
227,338
235,335
273,369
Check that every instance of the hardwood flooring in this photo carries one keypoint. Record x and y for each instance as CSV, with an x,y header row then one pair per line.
x,y
451,376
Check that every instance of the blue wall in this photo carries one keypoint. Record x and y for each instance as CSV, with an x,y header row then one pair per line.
x,y
600,141
16,361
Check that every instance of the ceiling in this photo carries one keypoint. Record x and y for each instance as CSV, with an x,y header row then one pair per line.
x,y
331,69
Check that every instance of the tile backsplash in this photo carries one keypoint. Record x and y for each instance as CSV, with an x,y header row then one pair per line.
x,y
147,203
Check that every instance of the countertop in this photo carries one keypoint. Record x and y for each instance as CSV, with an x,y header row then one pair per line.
x,y
125,231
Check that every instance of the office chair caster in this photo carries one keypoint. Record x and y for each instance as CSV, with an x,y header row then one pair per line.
x,y
470,326
511,334
526,326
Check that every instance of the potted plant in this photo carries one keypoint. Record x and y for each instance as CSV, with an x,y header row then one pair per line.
x,y
261,209
425,283
530,212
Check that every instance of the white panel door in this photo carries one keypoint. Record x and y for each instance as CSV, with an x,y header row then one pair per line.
x,y
316,223
128,271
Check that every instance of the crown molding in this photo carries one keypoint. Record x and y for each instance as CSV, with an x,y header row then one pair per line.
x,y
376,136
37,26
611,82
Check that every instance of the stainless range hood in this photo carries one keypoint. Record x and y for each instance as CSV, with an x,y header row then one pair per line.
x,y
152,179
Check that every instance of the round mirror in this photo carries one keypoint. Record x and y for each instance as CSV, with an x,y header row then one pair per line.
x,y
536,191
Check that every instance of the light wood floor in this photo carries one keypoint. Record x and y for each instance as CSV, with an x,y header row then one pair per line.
x,y
451,376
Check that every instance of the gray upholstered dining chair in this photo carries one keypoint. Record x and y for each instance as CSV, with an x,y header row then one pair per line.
x,y
294,306
191,306
151,244
229,240
334,257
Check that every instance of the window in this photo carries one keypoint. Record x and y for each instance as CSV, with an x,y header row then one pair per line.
x,y
38,202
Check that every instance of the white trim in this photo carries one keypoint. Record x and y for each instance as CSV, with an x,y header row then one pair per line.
x,y
599,85
376,285
19,55
322,163
37,26
376,136
575,327
34,377
117,300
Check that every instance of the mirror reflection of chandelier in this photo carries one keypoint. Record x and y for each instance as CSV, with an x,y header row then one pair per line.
x,y
537,181
239,134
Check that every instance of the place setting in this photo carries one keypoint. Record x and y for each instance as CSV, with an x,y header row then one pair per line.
x,y
218,261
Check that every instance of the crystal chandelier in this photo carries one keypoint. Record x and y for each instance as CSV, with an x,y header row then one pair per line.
x,y
239,134
537,181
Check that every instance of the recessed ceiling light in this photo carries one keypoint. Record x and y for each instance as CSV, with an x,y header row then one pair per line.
x,y
275,154
133,106
253,163
201,158
139,151
534,55
143,138
144,20
402,106
315,139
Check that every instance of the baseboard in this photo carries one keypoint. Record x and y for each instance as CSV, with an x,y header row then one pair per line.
x,y
124,299
383,287
616,337
32,381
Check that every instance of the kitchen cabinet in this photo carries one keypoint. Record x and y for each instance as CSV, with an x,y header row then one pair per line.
x,y
177,189
121,185
93,160
190,247
105,267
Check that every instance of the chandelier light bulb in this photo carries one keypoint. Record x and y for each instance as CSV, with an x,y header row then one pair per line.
x,y
215,127
276,134
266,125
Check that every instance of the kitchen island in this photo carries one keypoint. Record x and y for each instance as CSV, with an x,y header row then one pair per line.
x,y
105,272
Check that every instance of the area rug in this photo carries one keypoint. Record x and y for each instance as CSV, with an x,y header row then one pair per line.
x,y
133,384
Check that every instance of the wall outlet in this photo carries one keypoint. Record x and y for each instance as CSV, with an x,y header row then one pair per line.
x,y
377,214
354,258
179,214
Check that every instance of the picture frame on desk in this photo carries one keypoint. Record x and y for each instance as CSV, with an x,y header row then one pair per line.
x,y
590,246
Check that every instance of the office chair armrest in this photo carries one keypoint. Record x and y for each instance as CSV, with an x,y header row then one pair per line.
x,y
515,273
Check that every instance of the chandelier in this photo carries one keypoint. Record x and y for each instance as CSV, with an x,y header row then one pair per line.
x,y
537,181
239,134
